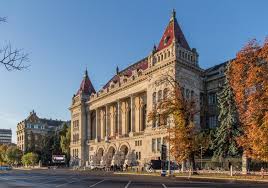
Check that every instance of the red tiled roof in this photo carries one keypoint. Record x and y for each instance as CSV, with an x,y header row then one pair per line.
x,y
172,31
142,64
86,86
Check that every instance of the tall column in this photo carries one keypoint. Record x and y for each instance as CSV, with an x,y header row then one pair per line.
x,y
112,120
132,119
106,122
89,131
97,117
136,114
123,118
101,123
118,118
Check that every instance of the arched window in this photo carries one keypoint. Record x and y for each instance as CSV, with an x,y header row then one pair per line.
x,y
159,95
154,60
168,53
129,120
187,93
165,119
144,111
165,94
192,94
154,123
154,98
182,91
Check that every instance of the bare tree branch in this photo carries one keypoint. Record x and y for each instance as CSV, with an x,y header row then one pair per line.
x,y
13,59
3,19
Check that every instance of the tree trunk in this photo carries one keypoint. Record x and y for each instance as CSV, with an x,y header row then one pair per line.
x,y
192,164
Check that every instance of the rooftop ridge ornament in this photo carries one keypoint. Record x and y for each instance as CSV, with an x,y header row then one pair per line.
x,y
117,70
173,15
86,73
154,49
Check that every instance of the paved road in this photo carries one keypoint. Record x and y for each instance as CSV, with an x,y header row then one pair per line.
x,y
73,179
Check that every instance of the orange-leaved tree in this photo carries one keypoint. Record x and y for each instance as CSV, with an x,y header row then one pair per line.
x,y
185,137
249,81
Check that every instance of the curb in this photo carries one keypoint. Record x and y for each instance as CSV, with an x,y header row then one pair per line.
x,y
194,178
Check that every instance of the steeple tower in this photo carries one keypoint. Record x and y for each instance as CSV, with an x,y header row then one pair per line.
x,y
173,32
86,86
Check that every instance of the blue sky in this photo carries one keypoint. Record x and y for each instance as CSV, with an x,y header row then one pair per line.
x,y
65,37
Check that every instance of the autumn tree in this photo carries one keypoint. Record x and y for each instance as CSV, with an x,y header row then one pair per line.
x,y
185,137
226,134
12,58
249,81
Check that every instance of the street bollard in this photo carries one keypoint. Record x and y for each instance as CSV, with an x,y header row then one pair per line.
x,y
262,172
231,170
190,173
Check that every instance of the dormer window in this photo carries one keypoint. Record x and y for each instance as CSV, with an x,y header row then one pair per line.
x,y
166,39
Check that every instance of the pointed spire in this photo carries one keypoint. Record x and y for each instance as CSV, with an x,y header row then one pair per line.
x,y
117,70
86,74
173,15
86,86
173,32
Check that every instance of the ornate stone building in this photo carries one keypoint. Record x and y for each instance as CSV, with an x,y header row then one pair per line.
x,y
110,126
34,127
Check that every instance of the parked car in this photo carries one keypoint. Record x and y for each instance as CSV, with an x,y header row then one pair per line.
x,y
5,167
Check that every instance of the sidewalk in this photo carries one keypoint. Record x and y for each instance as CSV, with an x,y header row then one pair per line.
x,y
205,177
30,168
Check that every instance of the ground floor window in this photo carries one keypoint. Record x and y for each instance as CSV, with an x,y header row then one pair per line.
x,y
212,123
153,145
138,155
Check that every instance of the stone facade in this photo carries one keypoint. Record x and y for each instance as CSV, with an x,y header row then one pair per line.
x,y
36,126
110,127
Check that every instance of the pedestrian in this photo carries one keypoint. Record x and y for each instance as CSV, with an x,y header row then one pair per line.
x,y
229,165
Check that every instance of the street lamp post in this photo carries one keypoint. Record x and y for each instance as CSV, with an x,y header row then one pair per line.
x,y
201,156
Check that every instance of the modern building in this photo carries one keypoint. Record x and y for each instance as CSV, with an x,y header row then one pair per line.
x,y
34,127
5,136
111,127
